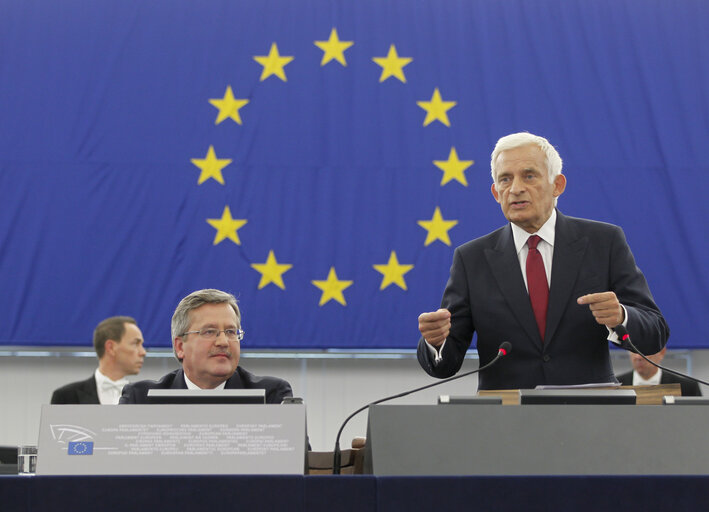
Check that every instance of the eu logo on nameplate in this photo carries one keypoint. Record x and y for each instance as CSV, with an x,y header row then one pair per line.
x,y
81,448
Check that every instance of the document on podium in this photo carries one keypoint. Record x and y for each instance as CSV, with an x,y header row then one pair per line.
x,y
592,385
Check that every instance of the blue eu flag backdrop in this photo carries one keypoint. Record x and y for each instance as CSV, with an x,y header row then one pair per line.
x,y
321,159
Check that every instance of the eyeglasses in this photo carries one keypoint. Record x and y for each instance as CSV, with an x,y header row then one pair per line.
x,y
212,334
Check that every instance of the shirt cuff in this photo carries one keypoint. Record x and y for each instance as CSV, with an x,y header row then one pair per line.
x,y
612,335
436,352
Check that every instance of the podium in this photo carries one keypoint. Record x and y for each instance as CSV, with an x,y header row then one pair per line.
x,y
500,440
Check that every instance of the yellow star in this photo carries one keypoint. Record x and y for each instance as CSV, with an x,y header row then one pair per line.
x,y
436,109
393,272
333,48
332,288
211,166
272,271
226,227
437,228
392,65
453,169
273,64
228,106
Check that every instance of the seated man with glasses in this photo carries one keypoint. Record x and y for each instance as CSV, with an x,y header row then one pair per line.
x,y
206,336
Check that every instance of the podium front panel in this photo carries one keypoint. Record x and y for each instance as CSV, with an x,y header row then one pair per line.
x,y
172,439
537,440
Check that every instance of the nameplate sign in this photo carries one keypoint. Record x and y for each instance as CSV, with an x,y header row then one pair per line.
x,y
172,439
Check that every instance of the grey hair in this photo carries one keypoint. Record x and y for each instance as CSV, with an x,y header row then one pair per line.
x,y
181,317
516,140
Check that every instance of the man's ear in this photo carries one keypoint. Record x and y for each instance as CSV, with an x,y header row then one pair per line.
x,y
559,185
179,352
110,347
494,193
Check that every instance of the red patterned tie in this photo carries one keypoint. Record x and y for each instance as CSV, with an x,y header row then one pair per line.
x,y
537,284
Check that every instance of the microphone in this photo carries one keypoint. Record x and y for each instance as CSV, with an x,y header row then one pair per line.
x,y
504,349
624,336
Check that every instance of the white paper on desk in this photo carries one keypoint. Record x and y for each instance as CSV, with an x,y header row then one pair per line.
x,y
583,386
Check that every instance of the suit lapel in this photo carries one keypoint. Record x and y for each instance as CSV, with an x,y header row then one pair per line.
x,y
505,267
235,381
179,381
569,249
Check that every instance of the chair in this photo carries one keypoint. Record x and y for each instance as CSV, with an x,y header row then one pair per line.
x,y
352,460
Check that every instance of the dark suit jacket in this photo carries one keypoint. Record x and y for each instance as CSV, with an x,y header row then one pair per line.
x,y
276,389
82,392
689,387
486,294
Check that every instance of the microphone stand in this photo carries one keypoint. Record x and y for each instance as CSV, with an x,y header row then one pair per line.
x,y
504,349
625,337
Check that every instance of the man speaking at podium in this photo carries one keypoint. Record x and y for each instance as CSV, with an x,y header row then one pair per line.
x,y
553,286
206,336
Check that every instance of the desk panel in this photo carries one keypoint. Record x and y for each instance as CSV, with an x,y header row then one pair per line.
x,y
352,493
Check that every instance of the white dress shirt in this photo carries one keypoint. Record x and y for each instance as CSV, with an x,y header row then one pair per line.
x,y
109,391
652,381
192,385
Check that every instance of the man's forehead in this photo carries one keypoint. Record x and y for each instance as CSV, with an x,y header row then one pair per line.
x,y
213,312
530,152
130,330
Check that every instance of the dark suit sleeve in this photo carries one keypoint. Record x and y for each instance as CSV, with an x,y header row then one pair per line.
x,y
690,388
60,397
130,395
82,392
456,300
647,327
67,394
625,379
278,391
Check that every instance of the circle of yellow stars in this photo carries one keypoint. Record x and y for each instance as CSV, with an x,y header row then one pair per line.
x,y
229,107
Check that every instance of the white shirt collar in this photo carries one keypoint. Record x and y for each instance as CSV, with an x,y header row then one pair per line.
x,y
192,385
546,232
652,381
108,390
101,378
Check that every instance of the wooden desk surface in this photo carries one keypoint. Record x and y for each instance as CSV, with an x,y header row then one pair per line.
x,y
647,395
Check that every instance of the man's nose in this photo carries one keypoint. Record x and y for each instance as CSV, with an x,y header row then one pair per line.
x,y
517,185
221,339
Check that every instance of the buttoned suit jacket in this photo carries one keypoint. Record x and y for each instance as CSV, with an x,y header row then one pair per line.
x,y
689,387
486,295
276,389
82,392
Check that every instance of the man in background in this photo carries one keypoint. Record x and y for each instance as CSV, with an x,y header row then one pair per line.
x,y
119,346
206,337
645,374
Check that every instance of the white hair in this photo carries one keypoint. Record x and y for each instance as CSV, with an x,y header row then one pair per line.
x,y
516,140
